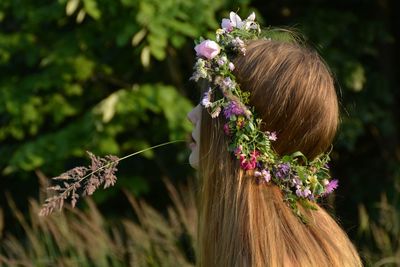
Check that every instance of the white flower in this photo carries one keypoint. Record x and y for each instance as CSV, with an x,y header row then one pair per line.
x,y
252,17
216,112
236,21
206,99
249,22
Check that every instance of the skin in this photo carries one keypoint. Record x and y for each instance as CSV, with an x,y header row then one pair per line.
x,y
194,116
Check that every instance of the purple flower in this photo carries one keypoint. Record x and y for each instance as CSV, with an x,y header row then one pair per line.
x,y
265,174
303,193
227,25
299,193
231,66
283,170
306,192
227,83
206,99
332,185
231,109
296,182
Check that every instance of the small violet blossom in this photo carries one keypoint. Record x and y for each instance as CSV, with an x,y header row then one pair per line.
x,y
231,109
332,185
227,83
207,49
226,24
206,99
304,193
265,174
296,182
231,66
283,170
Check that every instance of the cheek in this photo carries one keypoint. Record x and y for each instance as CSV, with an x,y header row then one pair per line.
x,y
194,157
197,131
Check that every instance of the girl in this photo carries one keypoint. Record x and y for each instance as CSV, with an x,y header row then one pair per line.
x,y
264,100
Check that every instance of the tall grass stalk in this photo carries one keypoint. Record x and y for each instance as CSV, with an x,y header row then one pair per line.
x,y
87,239
381,246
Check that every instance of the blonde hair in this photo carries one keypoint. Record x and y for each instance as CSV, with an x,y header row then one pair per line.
x,y
242,223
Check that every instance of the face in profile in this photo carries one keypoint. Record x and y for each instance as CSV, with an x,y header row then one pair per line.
x,y
194,117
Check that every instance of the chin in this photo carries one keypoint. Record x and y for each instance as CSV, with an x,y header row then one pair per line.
x,y
193,161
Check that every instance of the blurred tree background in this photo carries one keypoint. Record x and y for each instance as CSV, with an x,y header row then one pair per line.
x,y
111,77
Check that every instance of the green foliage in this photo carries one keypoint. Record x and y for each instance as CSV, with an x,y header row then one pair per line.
x,y
72,78
382,246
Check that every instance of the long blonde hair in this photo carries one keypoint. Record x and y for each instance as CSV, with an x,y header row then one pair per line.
x,y
242,223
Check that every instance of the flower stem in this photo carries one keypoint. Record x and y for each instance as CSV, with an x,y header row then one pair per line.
x,y
130,155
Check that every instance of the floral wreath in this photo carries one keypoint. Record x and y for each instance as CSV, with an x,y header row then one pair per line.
x,y
299,179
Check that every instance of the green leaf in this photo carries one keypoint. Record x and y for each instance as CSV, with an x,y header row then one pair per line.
x,y
92,9
71,7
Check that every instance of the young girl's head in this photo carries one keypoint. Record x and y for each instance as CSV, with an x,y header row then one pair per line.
x,y
246,223
242,222
292,91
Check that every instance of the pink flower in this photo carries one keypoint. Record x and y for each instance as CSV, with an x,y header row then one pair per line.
x,y
207,49
226,129
247,165
227,25
254,154
331,186
250,164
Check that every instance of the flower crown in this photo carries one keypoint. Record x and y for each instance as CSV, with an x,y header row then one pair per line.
x,y
299,179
